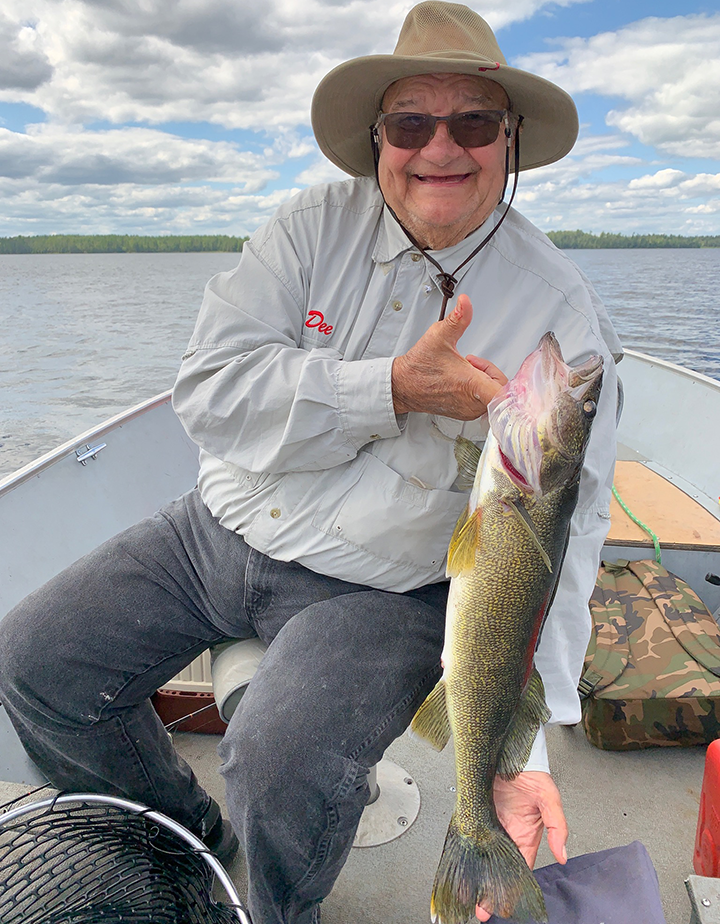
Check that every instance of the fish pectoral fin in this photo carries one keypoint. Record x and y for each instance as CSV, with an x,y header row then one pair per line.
x,y
464,543
531,713
467,456
431,722
524,517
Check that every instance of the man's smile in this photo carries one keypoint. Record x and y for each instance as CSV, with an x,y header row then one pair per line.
x,y
440,180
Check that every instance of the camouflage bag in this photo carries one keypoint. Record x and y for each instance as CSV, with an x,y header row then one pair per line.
x,y
652,669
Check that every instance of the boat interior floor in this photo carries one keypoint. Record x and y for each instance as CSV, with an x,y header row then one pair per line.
x,y
610,799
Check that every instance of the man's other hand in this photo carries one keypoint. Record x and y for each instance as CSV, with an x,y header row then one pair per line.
x,y
433,378
526,806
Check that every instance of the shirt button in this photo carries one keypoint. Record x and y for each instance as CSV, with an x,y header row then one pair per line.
x,y
397,306
415,257
275,513
375,436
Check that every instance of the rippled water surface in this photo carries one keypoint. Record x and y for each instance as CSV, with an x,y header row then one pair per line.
x,y
84,336
663,302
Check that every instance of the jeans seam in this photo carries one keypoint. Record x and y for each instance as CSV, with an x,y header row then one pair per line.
x,y
399,708
109,702
331,813
138,760
246,582
331,826
256,597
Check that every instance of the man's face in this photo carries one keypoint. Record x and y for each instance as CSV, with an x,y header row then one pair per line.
x,y
442,192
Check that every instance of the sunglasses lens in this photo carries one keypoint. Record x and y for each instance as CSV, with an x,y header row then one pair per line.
x,y
413,130
475,129
408,129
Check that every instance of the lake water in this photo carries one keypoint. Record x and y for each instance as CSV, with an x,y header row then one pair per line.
x,y
84,336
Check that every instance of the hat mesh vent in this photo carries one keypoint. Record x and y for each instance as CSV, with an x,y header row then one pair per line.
x,y
434,28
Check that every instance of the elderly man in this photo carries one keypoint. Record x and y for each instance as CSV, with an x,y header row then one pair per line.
x,y
325,394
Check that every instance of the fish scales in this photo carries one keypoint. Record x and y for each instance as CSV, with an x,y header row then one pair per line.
x,y
487,595
504,560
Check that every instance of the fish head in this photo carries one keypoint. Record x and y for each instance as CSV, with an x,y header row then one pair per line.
x,y
542,418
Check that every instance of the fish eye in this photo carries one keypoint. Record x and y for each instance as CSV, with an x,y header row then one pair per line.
x,y
589,409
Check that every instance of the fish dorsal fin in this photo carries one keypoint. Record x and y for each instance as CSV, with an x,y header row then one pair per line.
x,y
467,456
464,543
531,713
431,721
523,517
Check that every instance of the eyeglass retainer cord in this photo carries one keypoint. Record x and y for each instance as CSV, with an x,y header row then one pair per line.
x,y
448,281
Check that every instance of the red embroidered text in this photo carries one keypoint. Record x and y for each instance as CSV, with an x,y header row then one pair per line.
x,y
316,319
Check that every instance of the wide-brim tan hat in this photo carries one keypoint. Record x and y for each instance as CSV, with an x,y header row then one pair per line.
x,y
437,38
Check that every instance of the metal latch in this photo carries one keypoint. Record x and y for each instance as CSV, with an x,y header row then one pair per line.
x,y
89,452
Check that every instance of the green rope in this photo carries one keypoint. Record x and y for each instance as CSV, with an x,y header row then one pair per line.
x,y
656,541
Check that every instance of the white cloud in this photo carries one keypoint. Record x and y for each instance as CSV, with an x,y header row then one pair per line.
x,y
230,62
321,171
666,70
130,179
663,179
34,208
53,154
668,201
23,64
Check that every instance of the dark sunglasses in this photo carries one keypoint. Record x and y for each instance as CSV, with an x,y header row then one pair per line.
x,y
476,129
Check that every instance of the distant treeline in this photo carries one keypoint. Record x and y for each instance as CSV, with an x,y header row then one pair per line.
x,y
120,243
191,243
581,240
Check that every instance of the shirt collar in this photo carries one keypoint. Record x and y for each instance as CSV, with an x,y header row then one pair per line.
x,y
392,242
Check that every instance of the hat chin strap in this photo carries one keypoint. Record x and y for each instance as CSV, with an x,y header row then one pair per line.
x,y
448,281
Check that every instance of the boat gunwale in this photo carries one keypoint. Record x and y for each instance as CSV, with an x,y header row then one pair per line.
x,y
15,479
671,367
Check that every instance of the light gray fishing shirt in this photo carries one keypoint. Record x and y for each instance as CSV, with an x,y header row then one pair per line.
x,y
286,389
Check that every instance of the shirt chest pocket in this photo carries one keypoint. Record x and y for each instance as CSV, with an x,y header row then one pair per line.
x,y
379,512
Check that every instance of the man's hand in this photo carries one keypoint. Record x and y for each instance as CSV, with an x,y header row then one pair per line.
x,y
525,806
433,378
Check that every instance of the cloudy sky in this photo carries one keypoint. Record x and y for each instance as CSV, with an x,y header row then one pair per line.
x,y
192,116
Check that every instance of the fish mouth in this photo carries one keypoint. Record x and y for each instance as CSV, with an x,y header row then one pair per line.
x,y
524,414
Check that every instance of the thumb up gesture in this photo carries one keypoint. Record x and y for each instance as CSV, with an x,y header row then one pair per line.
x,y
433,378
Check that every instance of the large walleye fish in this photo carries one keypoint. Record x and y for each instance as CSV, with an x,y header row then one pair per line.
x,y
504,561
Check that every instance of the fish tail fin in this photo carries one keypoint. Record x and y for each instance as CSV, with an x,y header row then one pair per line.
x,y
532,712
431,722
492,872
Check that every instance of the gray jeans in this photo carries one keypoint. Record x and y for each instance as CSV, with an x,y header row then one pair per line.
x,y
347,668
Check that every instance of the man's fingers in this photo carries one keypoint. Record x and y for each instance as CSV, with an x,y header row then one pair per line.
x,y
490,369
553,818
458,321
488,381
557,830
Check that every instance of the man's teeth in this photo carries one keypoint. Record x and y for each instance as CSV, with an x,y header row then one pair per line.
x,y
440,178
